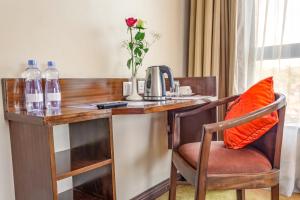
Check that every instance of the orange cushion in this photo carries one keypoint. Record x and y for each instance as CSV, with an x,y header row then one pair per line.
x,y
258,96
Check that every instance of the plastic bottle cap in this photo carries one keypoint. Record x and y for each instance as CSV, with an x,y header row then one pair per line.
x,y
32,62
51,64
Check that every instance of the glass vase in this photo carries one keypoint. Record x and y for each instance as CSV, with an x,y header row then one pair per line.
x,y
134,96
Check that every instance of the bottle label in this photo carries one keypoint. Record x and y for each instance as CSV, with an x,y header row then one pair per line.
x,y
53,96
31,98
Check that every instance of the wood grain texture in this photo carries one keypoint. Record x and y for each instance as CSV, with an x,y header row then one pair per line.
x,y
79,168
88,90
172,182
66,115
37,167
275,192
75,194
97,183
157,190
113,172
52,161
93,139
154,192
240,194
200,85
31,162
90,148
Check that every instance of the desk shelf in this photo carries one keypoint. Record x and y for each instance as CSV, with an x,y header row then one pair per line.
x,y
68,165
89,161
91,185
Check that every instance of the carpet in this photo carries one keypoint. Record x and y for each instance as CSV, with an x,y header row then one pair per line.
x,y
186,192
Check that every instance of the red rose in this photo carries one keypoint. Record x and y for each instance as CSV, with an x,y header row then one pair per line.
x,y
130,21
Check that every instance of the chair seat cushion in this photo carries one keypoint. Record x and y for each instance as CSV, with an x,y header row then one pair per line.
x,y
227,161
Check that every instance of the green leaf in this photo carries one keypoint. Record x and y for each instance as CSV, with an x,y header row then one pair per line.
x,y
130,45
139,28
129,63
146,50
137,51
139,36
141,45
138,61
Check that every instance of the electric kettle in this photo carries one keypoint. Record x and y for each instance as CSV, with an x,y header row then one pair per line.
x,y
155,87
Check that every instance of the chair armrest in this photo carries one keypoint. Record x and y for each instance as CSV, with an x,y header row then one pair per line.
x,y
210,105
219,126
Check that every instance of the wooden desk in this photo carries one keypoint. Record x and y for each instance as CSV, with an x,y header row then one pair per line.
x,y
71,114
90,161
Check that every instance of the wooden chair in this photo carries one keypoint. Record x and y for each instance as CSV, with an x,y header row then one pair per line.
x,y
208,165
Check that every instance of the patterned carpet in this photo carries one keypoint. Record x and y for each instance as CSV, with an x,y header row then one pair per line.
x,y
186,192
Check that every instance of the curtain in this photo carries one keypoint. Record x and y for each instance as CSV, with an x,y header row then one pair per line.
x,y
268,44
212,44
268,38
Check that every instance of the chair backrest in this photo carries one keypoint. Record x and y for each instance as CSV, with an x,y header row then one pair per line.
x,y
271,142
191,126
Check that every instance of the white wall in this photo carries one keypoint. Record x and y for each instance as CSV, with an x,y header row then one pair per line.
x,y
84,38
142,158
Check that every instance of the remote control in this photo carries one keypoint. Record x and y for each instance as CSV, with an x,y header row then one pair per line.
x,y
107,105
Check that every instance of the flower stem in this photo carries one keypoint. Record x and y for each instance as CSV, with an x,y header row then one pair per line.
x,y
132,57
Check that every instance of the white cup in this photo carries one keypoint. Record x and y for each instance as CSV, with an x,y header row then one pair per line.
x,y
185,90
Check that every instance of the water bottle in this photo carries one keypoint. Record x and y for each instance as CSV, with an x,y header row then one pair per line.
x,y
52,87
33,87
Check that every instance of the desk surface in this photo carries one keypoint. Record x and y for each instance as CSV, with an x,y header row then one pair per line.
x,y
78,113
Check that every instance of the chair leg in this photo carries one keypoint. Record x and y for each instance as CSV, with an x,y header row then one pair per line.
x,y
173,179
240,194
200,192
275,192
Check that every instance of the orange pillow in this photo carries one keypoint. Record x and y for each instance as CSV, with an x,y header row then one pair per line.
x,y
258,96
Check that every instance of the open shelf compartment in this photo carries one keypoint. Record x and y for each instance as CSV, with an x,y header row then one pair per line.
x,y
92,185
76,195
90,148
68,165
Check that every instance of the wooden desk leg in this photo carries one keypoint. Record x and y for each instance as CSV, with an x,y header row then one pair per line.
x,y
31,155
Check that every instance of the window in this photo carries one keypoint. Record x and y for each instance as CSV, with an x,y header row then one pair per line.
x,y
279,49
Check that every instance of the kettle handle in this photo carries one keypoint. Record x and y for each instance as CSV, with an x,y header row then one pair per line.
x,y
167,70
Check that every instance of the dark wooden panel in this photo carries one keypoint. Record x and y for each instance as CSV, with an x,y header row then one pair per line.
x,y
158,190
93,138
76,195
191,127
31,162
200,85
74,91
113,176
96,182
66,166
154,192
